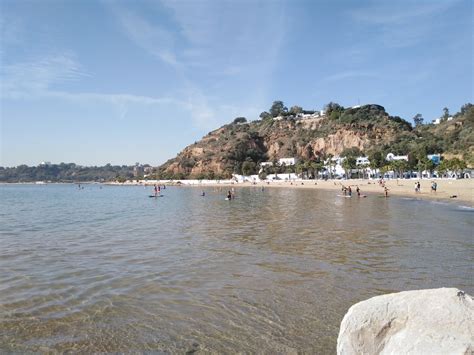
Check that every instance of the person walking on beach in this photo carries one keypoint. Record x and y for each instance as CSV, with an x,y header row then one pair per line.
x,y
358,191
434,186
418,186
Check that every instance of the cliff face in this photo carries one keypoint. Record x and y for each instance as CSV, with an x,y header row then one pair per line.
x,y
222,150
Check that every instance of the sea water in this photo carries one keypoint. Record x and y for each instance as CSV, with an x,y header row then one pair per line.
x,y
108,269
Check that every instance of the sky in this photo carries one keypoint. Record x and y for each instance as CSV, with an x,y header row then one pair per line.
x,y
120,82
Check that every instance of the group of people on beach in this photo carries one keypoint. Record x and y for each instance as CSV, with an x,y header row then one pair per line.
x,y
347,190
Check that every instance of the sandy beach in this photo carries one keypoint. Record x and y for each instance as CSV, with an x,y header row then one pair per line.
x,y
459,191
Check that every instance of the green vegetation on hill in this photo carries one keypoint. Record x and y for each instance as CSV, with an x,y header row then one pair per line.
x,y
65,173
239,147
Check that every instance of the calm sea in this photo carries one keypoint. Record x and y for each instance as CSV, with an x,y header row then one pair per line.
x,y
107,269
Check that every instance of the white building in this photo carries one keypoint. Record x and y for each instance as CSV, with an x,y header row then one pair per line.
x,y
362,161
392,157
287,161
282,161
266,163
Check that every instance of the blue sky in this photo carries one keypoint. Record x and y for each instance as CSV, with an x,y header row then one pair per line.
x,y
96,82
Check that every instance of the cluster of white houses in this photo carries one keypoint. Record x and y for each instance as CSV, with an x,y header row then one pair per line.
x,y
334,169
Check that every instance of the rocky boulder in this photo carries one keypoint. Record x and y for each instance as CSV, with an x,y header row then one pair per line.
x,y
437,321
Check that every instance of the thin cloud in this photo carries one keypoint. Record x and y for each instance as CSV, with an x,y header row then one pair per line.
x,y
39,79
401,24
351,74
35,76
151,37
196,45
399,12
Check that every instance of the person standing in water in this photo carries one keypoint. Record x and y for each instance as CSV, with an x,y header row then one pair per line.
x,y
349,191
358,191
386,191
156,190
229,195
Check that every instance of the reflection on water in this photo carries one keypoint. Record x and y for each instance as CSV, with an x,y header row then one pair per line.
x,y
112,270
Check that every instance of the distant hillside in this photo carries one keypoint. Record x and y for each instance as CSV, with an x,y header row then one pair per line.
x,y
368,129
65,173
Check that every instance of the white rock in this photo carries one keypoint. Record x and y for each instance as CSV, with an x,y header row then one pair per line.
x,y
437,321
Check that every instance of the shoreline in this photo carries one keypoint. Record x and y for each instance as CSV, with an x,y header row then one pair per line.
x,y
463,189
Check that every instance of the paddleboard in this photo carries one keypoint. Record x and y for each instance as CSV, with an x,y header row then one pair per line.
x,y
344,196
155,196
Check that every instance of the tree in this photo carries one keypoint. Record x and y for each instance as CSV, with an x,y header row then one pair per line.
x,y
364,168
330,164
399,166
317,166
238,120
300,168
445,113
376,159
248,167
275,166
418,119
348,164
294,110
385,168
333,110
465,108
278,109
265,115
351,152
333,106
425,164
457,165
443,167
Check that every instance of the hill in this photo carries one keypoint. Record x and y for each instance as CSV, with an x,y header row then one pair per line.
x,y
239,147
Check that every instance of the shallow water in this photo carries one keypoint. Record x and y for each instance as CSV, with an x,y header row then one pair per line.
x,y
107,269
